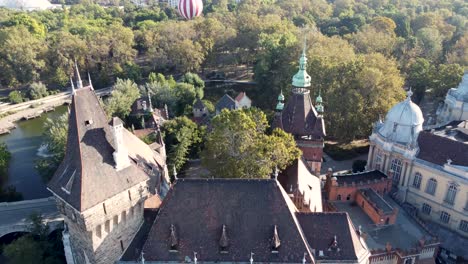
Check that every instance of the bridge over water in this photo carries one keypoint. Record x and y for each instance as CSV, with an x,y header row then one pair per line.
x,y
14,217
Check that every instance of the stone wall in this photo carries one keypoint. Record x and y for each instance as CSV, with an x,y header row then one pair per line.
x,y
347,192
101,234
377,215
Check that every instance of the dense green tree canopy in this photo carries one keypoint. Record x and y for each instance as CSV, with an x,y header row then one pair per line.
x,y
237,146
123,95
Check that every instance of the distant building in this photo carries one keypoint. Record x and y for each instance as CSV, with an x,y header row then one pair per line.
x,y
429,168
199,109
243,101
103,183
27,5
226,102
173,3
143,108
300,118
455,107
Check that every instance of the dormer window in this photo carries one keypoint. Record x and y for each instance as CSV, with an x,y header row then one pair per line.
x,y
88,122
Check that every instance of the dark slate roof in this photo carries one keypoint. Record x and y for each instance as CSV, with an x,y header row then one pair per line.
x,y
360,177
87,176
199,104
300,118
320,230
378,200
226,102
438,149
198,208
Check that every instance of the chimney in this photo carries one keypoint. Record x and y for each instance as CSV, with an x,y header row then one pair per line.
x,y
120,154
388,247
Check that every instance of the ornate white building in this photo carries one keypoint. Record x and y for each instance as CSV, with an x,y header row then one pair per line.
x,y
429,168
455,106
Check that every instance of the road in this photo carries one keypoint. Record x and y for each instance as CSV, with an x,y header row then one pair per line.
x,y
15,216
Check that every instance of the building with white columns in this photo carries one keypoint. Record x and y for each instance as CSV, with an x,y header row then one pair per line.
x,y
429,168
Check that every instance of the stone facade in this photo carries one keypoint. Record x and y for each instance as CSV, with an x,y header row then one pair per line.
x,y
455,105
102,233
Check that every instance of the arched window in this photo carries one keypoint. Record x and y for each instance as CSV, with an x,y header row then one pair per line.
x,y
338,197
451,193
396,168
378,160
417,180
431,186
444,217
348,197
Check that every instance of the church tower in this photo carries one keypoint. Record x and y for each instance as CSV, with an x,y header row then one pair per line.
x,y
103,182
300,118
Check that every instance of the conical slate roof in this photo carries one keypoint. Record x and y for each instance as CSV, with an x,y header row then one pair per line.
x,y
87,175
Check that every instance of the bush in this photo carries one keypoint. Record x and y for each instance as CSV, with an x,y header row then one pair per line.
x,y
15,97
359,165
37,90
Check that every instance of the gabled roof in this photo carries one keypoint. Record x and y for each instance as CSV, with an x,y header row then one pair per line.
x,y
226,102
300,118
249,209
199,104
320,230
241,95
438,149
87,176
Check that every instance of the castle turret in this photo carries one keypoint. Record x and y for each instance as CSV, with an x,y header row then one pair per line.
x,y
300,118
103,182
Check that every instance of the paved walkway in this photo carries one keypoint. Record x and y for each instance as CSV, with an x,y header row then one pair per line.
x,y
339,165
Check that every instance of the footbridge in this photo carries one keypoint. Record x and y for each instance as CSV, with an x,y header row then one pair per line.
x,y
15,216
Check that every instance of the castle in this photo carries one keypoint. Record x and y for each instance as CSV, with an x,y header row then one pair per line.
x,y
102,184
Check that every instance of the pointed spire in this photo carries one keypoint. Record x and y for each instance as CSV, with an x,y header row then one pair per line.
x,y
174,172
72,86
275,242
251,257
319,103
224,241
334,244
275,173
195,260
174,242
90,82
150,109
142,257
302,79
409,93
79,83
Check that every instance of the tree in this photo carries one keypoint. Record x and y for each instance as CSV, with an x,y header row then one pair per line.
x,y
420,76
36,247
182,137
21,56
55,138
123,95
37,90
445,77
5,157
238,147
196,81
15,97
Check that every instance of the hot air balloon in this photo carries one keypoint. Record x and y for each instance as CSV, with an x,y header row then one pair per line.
x,y
190,8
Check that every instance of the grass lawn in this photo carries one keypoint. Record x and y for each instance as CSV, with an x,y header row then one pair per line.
x,y
345,151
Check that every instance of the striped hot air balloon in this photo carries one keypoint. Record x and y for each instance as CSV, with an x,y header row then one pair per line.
x,y
190,8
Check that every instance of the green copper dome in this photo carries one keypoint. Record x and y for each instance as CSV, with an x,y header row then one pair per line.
x,y
301,79
319,108
319,99
279,106
281,96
